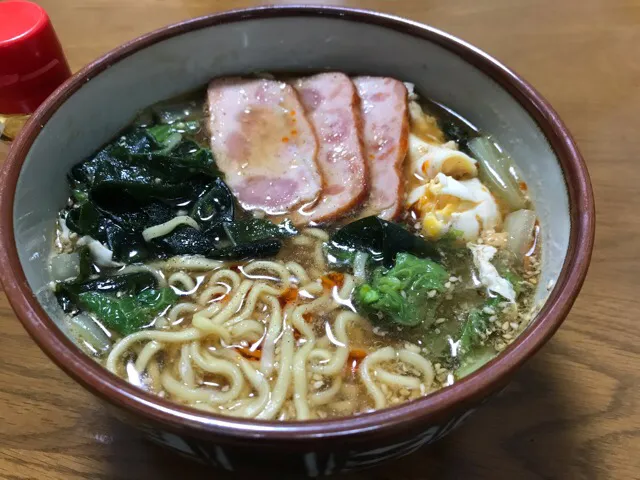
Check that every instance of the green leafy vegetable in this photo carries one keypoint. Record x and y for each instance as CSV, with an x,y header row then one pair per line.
x,y
252,238
184,240
477,323
400,295
254,229
474,361
125,283
514,279
153,172
130,283
88,219
148,180
382,240
215,206
257,249
168,136
128,313
85,263
457,132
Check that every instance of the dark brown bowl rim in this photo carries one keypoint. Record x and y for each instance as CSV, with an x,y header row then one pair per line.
x,y
465,392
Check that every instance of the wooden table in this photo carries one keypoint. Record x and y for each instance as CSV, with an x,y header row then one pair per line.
x,y
573,411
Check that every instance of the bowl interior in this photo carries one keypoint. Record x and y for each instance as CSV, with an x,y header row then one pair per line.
x,y
109,100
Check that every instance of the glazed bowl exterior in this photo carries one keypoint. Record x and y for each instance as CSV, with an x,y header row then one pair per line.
x,y
102,98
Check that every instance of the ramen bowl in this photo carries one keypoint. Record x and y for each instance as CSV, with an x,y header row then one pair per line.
x,y
102,98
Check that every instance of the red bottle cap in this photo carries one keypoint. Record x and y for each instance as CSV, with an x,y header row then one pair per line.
x,y
32,64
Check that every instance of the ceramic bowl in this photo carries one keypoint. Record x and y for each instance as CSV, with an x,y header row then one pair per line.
x,y
102,98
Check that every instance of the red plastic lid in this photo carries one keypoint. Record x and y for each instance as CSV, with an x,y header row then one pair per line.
x,y
32,63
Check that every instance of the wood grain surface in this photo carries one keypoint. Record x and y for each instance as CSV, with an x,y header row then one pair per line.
x,y
573,411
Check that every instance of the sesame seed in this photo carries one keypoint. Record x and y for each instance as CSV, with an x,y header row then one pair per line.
x,y
447,285
493,318
514,325
505,326
453,279
432,293
440,320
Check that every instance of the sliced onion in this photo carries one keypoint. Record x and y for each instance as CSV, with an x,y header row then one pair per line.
x,y
497,171
359,266
171,142
100,254
474,363
87,331
519,226
65,266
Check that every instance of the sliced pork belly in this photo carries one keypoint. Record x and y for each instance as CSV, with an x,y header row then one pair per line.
x,y
333,107
385,134
263,143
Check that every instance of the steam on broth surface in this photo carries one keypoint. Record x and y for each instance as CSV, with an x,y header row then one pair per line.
x,y
189,262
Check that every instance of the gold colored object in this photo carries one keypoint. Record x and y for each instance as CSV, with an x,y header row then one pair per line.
x,y
10,126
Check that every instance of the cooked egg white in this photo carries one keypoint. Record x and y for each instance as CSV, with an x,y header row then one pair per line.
x,y
427,159
445,203
487,273
424,126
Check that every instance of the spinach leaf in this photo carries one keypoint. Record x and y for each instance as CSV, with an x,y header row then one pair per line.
x,y
86,263
128,313
186,159
382,240
183,240
477,323
125,283
150,174
252,238
168,136
256,249
457,132
147,180
215,206
165,136
400,295
131,213
254,229
87,219
514,279
133,141
67,293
